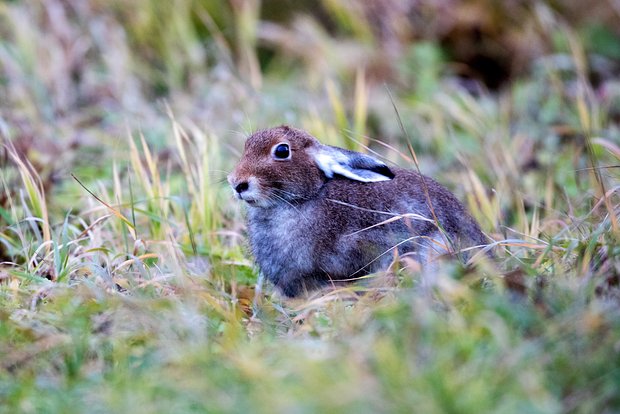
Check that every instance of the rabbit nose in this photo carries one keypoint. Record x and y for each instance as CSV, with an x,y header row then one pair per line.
x,y
241,187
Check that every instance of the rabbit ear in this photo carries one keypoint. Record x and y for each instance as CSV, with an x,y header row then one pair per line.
x,y
350,164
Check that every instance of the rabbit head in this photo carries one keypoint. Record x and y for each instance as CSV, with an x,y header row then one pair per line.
x,y
286,165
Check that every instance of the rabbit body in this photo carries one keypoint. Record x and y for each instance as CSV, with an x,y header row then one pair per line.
x,y
312,220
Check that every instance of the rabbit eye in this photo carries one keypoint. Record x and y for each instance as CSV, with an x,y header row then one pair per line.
x,y
281,152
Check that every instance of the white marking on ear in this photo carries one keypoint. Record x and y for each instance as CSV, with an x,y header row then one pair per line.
x,y
349,164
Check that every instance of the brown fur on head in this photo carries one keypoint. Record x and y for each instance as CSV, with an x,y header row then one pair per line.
x,y
270,180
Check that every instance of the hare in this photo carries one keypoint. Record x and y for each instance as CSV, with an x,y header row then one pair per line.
x,y
319,214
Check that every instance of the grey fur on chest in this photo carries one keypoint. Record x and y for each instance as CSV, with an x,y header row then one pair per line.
x,y
281,242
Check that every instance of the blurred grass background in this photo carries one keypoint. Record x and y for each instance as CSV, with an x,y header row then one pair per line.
x,y
125,280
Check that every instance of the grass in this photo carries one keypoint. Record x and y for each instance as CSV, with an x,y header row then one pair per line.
x,y
126,284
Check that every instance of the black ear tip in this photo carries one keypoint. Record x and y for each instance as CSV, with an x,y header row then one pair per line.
x,y
384,170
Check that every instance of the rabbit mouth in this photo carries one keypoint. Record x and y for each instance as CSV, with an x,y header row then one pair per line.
x,y
248,200
253,202
251,197
258,202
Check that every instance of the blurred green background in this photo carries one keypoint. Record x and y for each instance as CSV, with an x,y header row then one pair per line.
x,y
126,284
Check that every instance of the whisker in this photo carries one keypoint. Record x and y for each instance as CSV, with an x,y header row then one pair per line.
x,y
286,201
301,215
288,193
